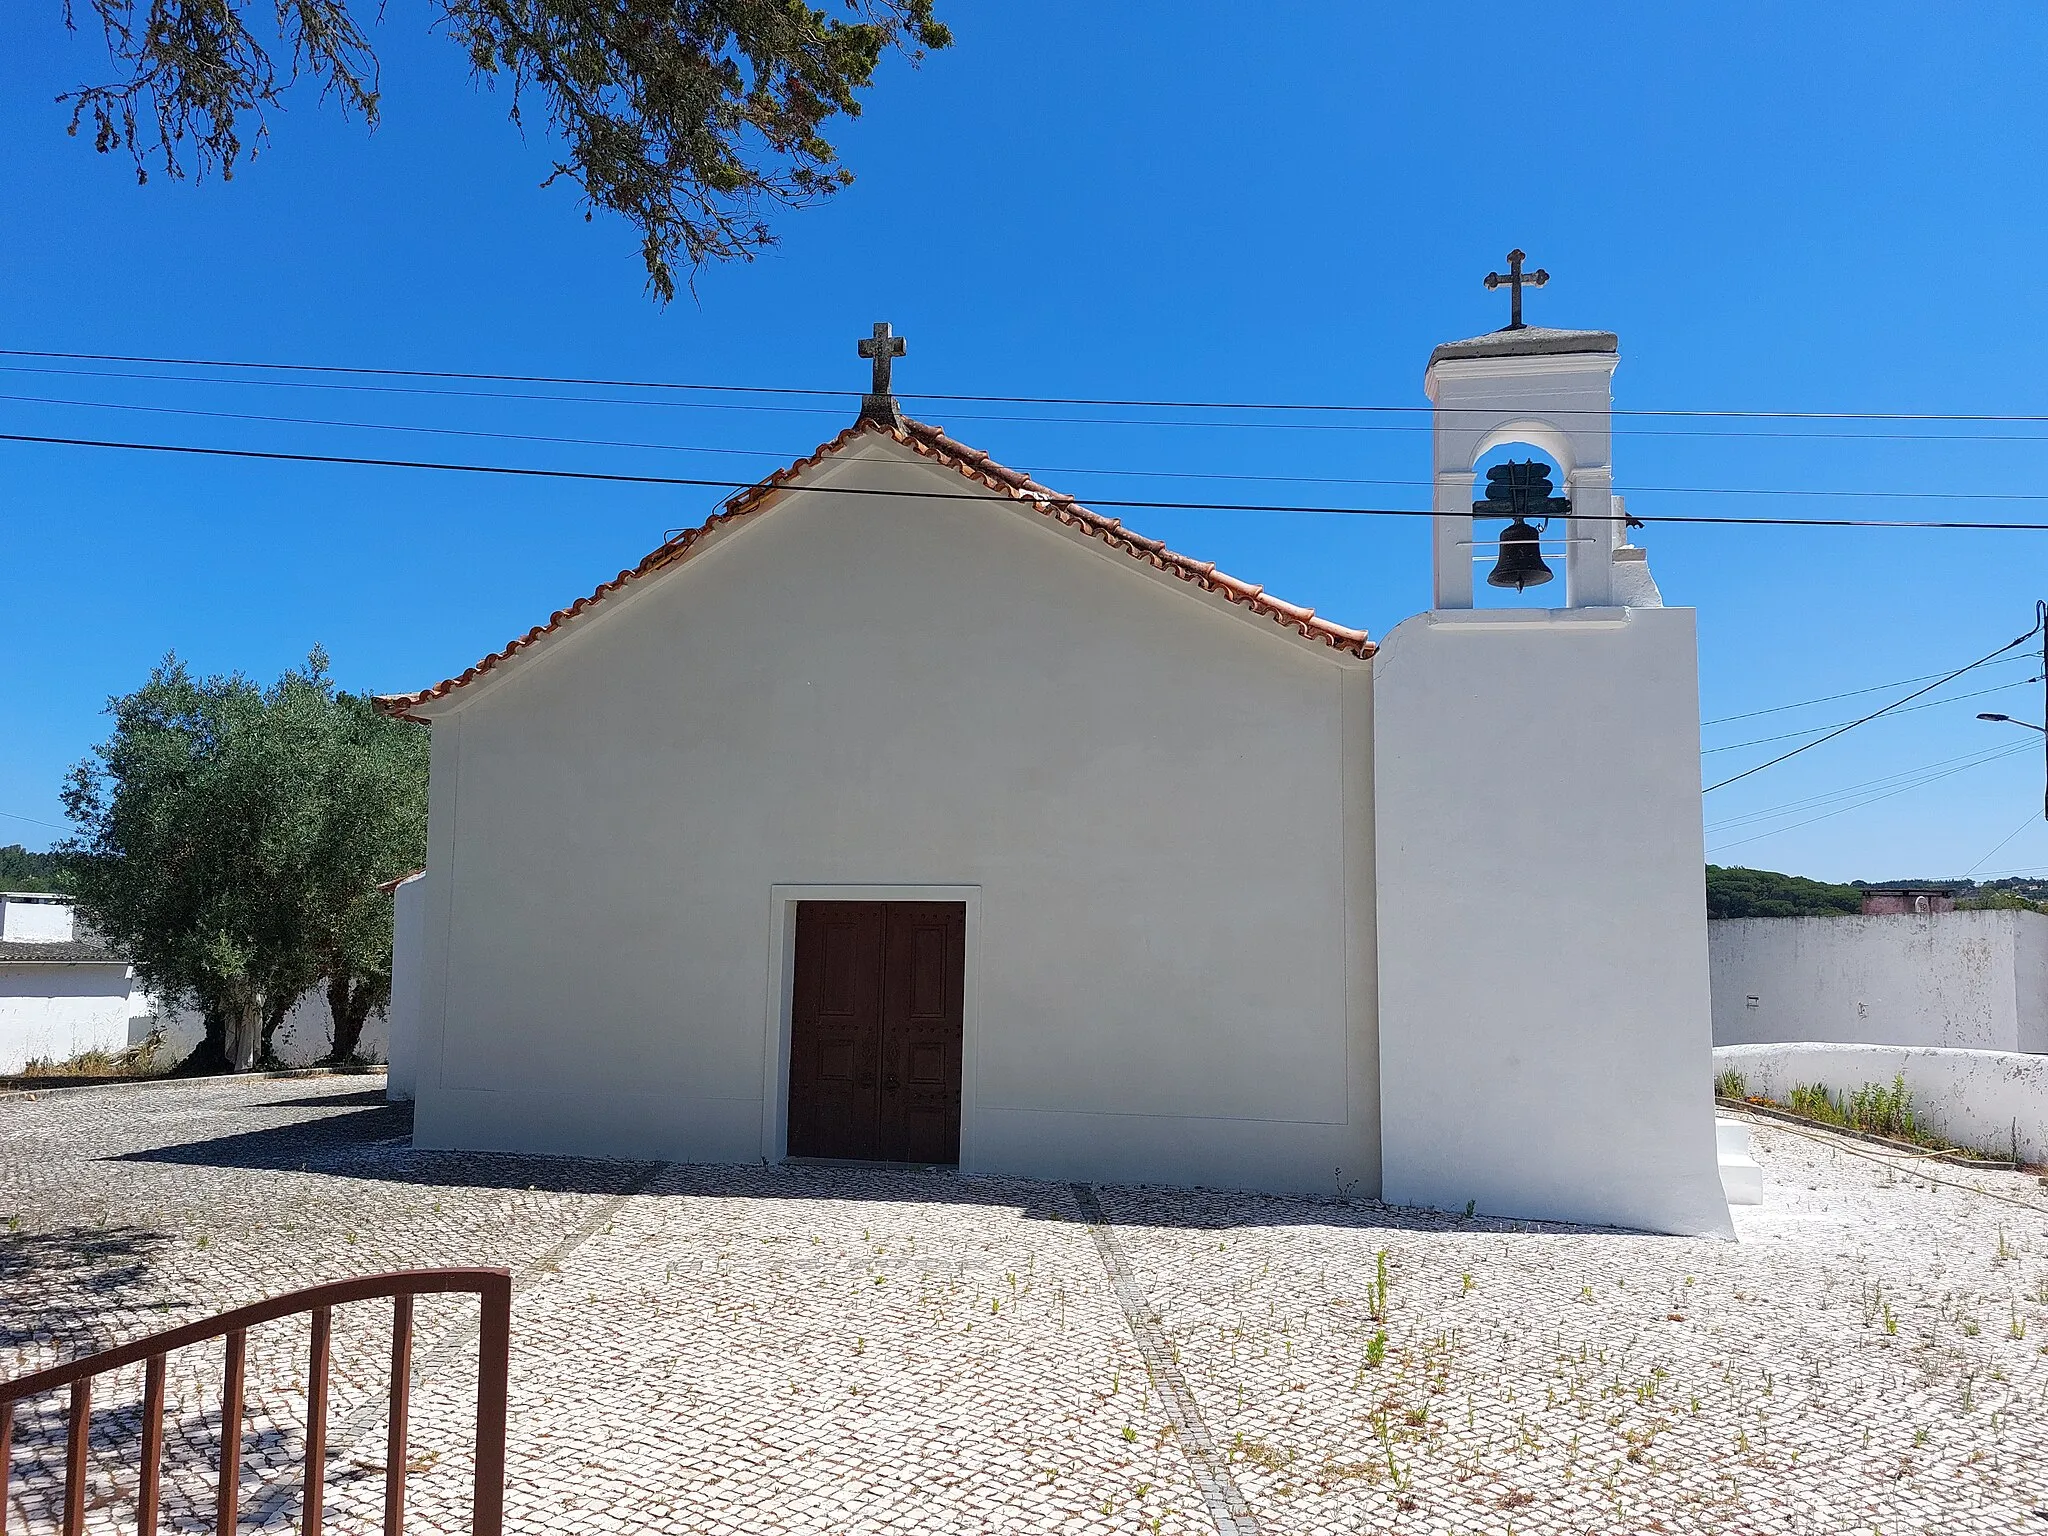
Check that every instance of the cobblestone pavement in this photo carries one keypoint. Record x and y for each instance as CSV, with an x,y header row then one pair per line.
x,y
819,1349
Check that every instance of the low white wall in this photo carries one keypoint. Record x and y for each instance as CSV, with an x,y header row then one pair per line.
x,y
303,1038
408,984
1962,980
1977,1099
57,1011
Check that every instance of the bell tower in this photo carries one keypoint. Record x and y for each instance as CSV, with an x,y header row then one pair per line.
x,y
1546,1048
1548,388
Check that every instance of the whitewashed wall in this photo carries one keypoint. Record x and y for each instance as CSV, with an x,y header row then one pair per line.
x,y
408,985
57,1011
1984,1100
1160,805
1966,980
304,1037
32,918
1545,1043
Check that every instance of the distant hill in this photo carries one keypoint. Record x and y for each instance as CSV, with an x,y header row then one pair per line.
x,y
1736,892
21,870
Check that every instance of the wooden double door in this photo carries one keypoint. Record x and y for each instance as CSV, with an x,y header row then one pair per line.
x,y
875,1030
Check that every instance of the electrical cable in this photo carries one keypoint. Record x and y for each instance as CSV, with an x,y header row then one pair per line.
x,y
32,821
1153,474
2015,832
1829,698
2032,630
616,477
1736,746
1819,1134
1872,800
1850,791
848,394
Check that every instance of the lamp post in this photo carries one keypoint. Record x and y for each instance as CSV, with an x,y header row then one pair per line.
x,y
2040,628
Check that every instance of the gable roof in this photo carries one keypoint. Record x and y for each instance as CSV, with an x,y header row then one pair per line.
x,y
972,464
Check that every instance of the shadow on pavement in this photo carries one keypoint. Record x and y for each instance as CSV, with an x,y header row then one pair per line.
x,y
372,1139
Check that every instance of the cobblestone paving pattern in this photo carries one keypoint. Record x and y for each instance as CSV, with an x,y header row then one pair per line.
x,y
817,1349
1867,1359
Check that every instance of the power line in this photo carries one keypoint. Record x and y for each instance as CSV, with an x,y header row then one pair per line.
x,y
1813,730
1851,791
1829,698
2032,630
980,399
16,816
1873,799
1054,499
2015,832
1149,474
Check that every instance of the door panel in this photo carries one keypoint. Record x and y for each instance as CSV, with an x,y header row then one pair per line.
x,y
835,1030
922,998
875,1030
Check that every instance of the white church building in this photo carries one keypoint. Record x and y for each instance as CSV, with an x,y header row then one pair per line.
x,y
909,811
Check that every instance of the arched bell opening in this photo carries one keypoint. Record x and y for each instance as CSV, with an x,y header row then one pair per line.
x,y
1521,526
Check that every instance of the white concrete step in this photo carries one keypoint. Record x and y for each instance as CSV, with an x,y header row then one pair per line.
x,y
1742,1181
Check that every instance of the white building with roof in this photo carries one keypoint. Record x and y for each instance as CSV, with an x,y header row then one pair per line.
x,y
62,992
908,810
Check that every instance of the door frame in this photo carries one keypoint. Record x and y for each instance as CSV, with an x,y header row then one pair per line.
x,y
781,998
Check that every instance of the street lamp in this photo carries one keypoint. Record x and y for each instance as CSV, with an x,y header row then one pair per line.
x,y
2008,719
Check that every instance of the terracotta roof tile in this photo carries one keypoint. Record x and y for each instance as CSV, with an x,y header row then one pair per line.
x,y
973,464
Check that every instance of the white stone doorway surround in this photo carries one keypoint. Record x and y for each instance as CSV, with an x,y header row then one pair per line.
x,y
780,994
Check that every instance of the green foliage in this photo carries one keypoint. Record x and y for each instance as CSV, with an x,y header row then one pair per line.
x,y
1999,901
689,118
231,841
21,870
1735,892
1729,1084
1874,1108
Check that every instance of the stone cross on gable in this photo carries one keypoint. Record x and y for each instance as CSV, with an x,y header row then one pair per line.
x,y
879,405
1513,279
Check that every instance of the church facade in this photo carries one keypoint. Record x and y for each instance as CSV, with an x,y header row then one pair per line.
x,y
910,811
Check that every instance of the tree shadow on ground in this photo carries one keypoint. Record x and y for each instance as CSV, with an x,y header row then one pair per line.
x,y
53,1282
361,1099
374,1142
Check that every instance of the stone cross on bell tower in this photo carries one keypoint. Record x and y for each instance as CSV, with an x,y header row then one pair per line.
x,y
1513,279
878,404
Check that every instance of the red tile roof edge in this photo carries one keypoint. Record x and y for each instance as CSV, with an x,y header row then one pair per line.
x,y
973,464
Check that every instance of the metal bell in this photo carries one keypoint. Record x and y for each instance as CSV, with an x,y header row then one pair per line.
x,y
1521,558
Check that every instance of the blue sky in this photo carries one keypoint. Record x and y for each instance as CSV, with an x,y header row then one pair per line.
x,y
1774,210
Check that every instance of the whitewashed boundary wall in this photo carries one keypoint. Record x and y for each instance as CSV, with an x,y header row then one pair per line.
x,y
1961,980
1987,1100
302,1039
58,1011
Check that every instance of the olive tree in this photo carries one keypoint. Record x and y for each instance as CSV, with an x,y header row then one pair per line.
x,y
231,840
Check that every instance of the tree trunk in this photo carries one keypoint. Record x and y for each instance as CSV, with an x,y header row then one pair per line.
x,y
350,1003
210,1055
244,1035
273,1016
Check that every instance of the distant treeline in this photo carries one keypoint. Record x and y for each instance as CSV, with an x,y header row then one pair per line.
x,y
21,870
1734,892
1766,893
